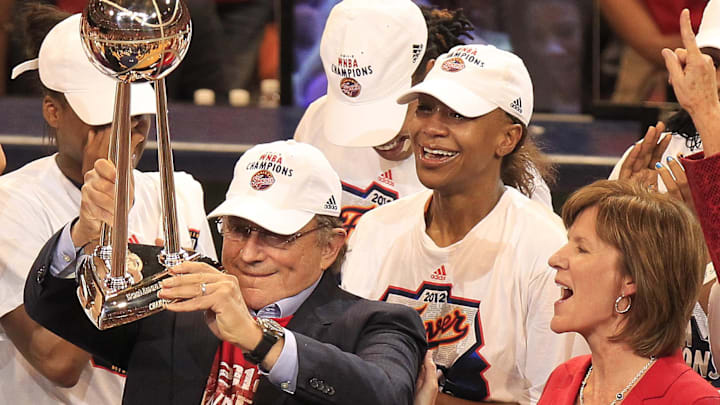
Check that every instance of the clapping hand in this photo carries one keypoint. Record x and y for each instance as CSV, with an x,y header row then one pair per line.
x,y
640,163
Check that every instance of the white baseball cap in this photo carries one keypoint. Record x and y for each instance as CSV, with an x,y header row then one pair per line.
x,y
369,49
281,186
64,67
473,80
708,35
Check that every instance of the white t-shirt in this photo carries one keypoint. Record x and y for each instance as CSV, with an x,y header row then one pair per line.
x,y
486,300
696,349
37,200
368,180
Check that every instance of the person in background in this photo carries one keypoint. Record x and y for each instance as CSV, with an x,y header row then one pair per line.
x,y
470,253
646,27
629,277
358,125
694,77
40,198
655,162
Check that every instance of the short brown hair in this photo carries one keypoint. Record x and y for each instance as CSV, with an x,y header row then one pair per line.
x,y
662,249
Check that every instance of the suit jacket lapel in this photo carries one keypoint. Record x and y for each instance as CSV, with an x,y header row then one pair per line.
x,y
313,315
317,311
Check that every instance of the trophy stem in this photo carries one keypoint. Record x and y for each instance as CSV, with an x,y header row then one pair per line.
x,y
122,186
104,247
172,250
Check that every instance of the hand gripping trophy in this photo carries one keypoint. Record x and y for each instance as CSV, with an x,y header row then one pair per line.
x,y
133,40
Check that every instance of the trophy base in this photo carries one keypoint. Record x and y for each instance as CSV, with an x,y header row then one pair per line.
x,y
107,307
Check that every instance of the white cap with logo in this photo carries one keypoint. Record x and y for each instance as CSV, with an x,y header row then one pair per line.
x,y
369,49
473,80
64,67
708,35
281,186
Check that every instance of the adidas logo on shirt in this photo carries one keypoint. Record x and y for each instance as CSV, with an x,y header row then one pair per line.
x,y
386,177
330,204
439,274
517,105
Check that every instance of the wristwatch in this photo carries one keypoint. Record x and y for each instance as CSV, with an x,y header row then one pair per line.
x,y
272,332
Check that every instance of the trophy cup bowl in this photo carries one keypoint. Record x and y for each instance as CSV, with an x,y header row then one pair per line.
x,y
132,41
136,40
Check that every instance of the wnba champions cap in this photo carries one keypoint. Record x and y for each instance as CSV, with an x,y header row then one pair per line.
x,y
369,49
708,35
65,68
476,79
281,186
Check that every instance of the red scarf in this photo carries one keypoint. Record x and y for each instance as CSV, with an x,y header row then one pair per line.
x,y
233,380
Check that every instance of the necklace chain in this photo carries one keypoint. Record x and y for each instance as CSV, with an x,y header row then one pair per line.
x,y
620,395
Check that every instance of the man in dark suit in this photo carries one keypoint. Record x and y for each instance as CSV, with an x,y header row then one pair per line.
x,y
274,328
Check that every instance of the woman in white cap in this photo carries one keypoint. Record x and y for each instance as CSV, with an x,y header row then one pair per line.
x,y
372,52
470,254
42,197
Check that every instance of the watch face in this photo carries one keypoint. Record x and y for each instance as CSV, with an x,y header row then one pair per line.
x,y
271,327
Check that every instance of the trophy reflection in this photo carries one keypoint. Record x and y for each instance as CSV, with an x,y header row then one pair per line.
x,y
133,41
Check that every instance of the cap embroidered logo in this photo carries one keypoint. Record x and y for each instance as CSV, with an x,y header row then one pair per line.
x,y
417,50
517,105
453,65
350,87
330,204
262,180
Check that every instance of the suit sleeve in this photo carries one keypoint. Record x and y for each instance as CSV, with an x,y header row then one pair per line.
x,y
380,369
52,302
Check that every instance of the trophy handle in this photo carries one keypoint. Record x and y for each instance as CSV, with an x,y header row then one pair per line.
x,y
172,253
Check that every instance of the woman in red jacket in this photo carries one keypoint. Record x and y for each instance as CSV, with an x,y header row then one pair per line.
x,y
629,278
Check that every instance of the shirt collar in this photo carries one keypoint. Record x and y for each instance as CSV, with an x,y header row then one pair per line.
x,y
288,306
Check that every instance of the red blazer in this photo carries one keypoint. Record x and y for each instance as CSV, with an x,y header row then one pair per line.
x,y
669,381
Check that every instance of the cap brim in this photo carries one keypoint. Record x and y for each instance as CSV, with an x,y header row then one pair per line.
x,y
281,221
363,125
96,106
453,95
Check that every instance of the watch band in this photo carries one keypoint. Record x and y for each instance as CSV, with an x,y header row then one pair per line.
x,y
272,332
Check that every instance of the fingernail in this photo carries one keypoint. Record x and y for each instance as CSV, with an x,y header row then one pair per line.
x,y
669,159
658,165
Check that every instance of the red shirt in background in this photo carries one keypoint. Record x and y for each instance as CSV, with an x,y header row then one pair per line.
x,y
666,13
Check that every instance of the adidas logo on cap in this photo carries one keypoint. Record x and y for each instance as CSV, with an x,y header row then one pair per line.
x,y
439,274
330,204
517,105
417,50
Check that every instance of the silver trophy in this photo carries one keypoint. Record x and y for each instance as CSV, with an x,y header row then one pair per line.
x,y
133,41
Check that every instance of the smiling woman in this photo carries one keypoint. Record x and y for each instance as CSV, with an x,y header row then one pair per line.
x,y
467,252
629,276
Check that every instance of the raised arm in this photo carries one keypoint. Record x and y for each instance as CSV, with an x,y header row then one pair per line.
x,y
633,23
